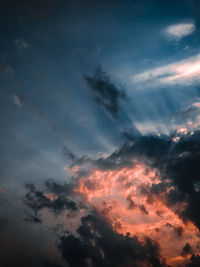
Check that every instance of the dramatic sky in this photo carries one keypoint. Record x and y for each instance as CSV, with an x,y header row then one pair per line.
x,y
100,133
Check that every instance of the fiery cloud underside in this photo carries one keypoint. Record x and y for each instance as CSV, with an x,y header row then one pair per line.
x,y
125,199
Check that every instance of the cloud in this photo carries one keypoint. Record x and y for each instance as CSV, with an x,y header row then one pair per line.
x,y
98,245
105,92
56,202
110,186
187,113
59,189
17,101
137,200
147,187
180,30
194,261
21,44
184,72
68,154
187,118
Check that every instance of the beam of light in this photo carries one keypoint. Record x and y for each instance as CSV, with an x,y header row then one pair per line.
x,y
125,199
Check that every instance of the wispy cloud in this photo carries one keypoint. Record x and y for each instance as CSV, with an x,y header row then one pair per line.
x,y
21,44
17,100
180,30
184,72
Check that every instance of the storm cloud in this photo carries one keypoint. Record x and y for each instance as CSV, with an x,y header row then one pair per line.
x,y
99,245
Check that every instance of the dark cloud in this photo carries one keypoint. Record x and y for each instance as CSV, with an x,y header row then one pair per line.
x,y
194,261
178,167
177,161
38,200
32,218
187,250
105,92
57,188
178,230
68,154
132,205
145,147
98,245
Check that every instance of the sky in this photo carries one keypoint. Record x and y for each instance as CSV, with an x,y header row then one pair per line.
x,y
99,133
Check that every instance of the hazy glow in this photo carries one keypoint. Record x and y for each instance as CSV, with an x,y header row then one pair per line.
x,y
125,199
176,139
182,131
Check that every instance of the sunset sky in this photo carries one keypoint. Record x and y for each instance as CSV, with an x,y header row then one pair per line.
x,y
100,133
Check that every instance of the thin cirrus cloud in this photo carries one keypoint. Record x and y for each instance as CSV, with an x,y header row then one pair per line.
x,y
180,30
184,72
17,101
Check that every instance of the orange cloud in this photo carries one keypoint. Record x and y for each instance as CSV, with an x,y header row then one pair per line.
x,y
124,197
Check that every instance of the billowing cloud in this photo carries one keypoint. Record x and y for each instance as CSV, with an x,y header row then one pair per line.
x,y
98,245
135,200
149,187
147,191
